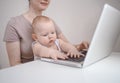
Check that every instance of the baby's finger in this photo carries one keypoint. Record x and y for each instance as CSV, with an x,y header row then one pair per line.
x,y
55,58
82,54
66,57
71,55
75,55
78,56
68,54
63,56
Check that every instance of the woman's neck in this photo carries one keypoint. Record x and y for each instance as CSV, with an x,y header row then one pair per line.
x,y
31,14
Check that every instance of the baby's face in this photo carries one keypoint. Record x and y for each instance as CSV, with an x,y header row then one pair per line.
x,y
46,34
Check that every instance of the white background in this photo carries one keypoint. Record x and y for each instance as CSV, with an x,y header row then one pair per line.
x,y
76,18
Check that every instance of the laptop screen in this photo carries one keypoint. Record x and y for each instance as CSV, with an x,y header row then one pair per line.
x,y
105,36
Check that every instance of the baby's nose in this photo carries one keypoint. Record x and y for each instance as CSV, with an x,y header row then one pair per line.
x,y
50,35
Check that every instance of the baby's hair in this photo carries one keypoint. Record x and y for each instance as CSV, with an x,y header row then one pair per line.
x,y
38,20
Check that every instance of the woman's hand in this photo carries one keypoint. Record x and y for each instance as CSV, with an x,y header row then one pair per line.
x,y
82,46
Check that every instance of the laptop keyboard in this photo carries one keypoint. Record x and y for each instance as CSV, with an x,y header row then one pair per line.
x,y
76,59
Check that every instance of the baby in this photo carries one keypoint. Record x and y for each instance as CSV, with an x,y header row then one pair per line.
x,y
44,34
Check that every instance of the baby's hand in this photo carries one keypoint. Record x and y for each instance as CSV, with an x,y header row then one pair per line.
x,y
55,54
75,54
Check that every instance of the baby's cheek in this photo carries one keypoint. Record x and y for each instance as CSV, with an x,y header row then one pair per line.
x,y
45,42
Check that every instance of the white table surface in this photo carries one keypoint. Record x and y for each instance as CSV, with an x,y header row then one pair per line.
x,y
104,71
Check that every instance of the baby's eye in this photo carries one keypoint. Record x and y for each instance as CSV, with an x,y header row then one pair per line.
x,y
52,32
45,34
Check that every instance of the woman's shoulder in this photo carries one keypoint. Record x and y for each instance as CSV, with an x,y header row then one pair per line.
x,y
17,17
14,19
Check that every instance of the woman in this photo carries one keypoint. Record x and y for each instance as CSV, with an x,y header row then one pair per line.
x,y
18,33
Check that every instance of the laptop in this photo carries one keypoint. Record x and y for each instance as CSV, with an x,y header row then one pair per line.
x,y
104,38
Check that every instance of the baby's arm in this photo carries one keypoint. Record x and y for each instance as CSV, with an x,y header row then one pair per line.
x,y
42,51
70,49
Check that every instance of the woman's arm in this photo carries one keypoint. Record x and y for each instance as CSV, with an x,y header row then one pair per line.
x,y
83,45
66,47
62,37
13,50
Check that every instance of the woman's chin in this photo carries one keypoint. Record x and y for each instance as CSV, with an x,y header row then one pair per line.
x,y
43,7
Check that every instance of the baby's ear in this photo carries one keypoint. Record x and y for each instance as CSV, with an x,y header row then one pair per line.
x,y
34,36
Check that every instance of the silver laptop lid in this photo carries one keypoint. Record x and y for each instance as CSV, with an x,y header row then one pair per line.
x,y
105,36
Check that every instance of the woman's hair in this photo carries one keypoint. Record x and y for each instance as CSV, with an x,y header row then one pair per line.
x,y
29,1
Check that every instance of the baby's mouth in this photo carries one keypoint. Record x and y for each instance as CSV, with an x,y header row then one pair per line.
x,y
51,41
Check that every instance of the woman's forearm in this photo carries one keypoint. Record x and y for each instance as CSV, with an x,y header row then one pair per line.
x,y
62,37
13,51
